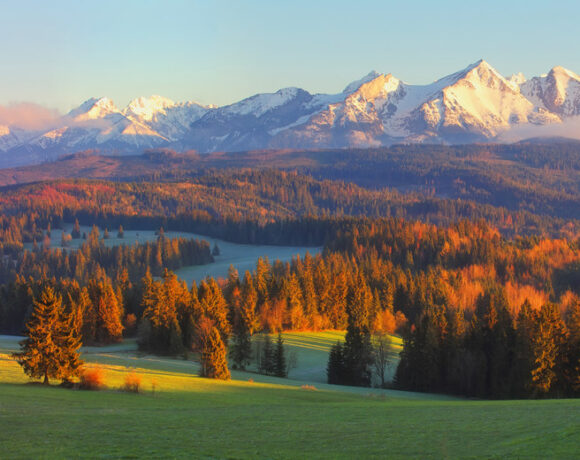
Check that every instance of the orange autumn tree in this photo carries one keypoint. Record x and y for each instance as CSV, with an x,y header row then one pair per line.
x,y
51,347
214,364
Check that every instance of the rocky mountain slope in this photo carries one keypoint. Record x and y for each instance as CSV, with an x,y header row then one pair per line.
x,y
473,105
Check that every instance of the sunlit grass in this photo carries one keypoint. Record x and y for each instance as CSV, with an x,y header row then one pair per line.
x,y
178,414
312,348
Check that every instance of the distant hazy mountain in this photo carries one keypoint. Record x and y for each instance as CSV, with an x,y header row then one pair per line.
x,y
473,105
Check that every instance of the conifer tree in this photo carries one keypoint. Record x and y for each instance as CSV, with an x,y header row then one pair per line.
x,y
51,347
267,357
335,368
214,306
358,350
214,362
547,348
165,303
76,231
492,335
241,347
189,317
523,355
279,360
262,279
104,320
572,370
249,302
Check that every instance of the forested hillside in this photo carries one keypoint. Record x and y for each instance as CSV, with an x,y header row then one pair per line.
x,y
540,178
485,297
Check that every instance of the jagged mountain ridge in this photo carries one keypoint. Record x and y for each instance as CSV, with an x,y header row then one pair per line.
x,y
472,105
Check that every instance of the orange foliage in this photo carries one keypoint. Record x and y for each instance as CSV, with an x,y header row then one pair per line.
x,y
385,322
400,321
320,322
309,387
272,315
567,301
92,379
553,253
517,294
132,383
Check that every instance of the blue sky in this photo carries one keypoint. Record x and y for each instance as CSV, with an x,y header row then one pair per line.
x,y
60,53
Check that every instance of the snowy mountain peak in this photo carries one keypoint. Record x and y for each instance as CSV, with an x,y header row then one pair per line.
x,y
481,65
482,70
259,104
146,108
93,109
476,104
558,92
378,87
353,86
516,79
561,72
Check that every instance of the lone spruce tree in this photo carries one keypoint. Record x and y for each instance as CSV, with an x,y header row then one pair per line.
x,y
51,347
280,369
335,368
267,364
214,364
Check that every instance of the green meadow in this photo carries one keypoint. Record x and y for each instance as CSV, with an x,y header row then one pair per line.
x,y
242,256
180,415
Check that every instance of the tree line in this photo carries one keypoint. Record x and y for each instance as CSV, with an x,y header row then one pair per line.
x,y
469,303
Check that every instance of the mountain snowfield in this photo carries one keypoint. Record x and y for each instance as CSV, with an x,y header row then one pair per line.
x,y
473,105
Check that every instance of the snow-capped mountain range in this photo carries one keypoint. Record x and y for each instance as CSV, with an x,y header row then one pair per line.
x,y
473,105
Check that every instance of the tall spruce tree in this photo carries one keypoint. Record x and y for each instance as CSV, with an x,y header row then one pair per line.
x,y
51,347
572,370
280,369
214,306
103,322
547,349
241,345
214,363
335,368
358,350
267,357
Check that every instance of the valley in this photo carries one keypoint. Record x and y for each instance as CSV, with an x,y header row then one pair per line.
x,y
222,237
242,256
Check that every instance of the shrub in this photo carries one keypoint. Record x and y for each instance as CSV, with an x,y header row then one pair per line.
x,y
92,379
132,383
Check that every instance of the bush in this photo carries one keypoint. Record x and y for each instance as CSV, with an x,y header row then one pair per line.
x,y
92,379
309,387
132,383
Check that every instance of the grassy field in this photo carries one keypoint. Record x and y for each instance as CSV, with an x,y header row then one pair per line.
x,y
242,256
257,416
311,351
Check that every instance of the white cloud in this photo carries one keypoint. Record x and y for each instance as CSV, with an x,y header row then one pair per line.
x,y
570,128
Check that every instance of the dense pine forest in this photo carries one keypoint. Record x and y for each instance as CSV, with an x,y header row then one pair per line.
x,y
485,291
540,179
